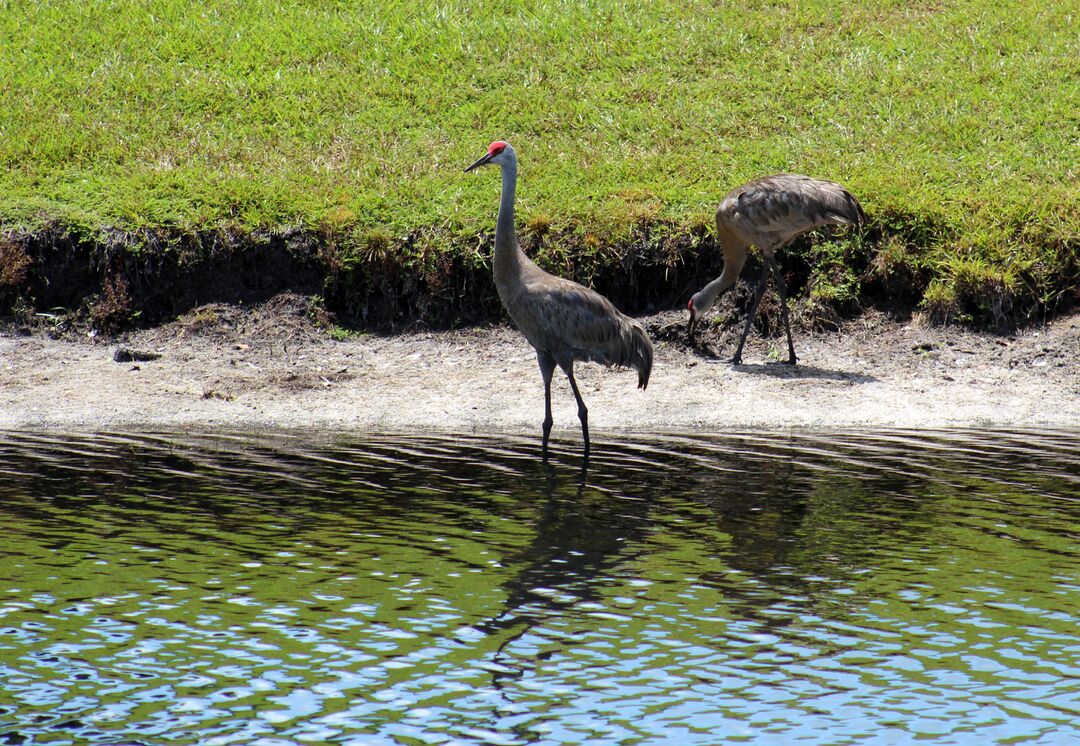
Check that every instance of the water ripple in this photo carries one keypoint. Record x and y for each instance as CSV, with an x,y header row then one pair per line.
x,y
284,588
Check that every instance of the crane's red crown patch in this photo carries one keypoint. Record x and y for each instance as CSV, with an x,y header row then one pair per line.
x,y
496,147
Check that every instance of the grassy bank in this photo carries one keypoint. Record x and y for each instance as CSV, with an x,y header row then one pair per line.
x,y
128,127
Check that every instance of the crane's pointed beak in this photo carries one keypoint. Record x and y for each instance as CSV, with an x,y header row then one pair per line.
x,y
480,162
690,329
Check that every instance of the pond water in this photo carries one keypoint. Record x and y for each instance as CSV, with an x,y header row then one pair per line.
x,y
767,588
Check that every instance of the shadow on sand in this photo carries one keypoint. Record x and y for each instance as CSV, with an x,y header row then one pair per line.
x,y
786,370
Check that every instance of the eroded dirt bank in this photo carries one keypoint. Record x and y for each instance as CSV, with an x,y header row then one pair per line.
x,y
270,366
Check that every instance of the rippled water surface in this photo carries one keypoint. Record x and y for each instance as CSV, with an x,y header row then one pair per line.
x,y
841,588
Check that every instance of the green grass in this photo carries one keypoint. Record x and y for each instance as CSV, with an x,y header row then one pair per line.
x,y
956,123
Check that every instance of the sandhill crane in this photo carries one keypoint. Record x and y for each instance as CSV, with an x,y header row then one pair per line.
x,y
767,213
563,320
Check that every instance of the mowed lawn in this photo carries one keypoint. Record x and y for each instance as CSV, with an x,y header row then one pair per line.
x,y
956,123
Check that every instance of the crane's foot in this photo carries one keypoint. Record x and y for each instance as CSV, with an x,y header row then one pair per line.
x,y
737,357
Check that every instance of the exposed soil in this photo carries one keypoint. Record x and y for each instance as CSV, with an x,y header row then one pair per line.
x,y
273,365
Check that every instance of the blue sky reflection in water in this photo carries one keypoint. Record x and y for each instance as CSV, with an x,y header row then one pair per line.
x,y
843,588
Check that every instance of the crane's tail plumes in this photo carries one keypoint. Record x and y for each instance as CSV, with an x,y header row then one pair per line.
x,y
629,347
848,210
858,208
641,354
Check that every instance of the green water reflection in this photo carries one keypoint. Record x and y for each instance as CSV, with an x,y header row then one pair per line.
x,y
840,588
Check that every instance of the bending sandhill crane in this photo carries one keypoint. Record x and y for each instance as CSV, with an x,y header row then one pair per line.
x,y
767,213
562,320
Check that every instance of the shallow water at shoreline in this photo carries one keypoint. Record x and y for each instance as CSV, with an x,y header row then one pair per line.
x,y
871,587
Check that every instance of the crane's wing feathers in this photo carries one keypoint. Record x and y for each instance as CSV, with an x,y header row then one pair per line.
x,y
581,318
784,205
576,323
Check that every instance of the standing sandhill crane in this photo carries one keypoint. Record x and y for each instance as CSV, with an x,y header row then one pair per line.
x,y
767,213
564,321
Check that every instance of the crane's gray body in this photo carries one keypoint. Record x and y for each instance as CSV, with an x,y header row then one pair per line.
x,y
770,211
572,322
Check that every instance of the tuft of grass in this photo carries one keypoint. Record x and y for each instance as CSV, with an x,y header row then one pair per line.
x,y
539,225
205,318
941,302
341,334
112,309
15,264
955,123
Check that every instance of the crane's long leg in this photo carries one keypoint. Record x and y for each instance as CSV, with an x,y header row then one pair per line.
x,y
547,370
782,288
582,410
760,291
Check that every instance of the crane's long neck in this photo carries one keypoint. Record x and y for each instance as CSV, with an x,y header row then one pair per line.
x,y
734,259
509,258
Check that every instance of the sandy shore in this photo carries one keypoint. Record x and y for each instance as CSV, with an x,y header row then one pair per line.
x,y
269,367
